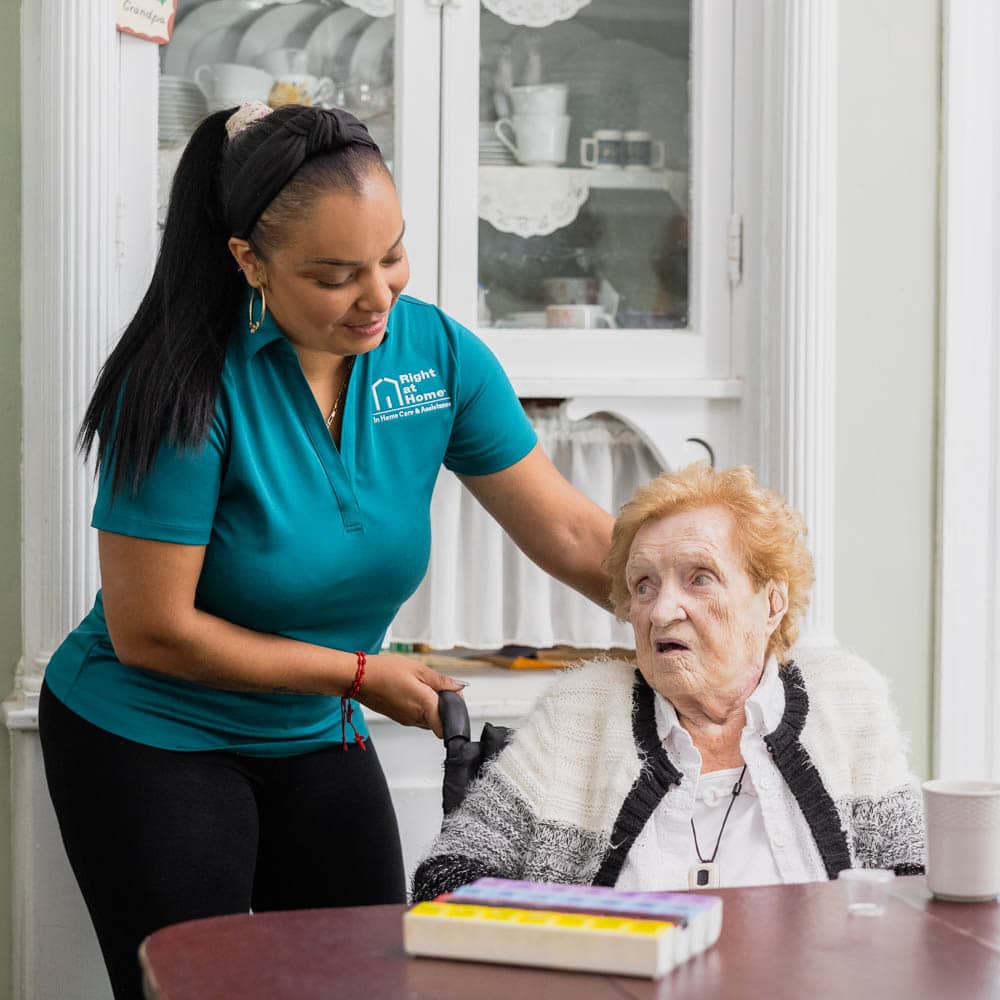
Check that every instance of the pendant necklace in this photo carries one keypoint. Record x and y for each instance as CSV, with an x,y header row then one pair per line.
x,y
705,875
340,395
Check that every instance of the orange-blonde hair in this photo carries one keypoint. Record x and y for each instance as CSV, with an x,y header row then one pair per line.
x,y
769,533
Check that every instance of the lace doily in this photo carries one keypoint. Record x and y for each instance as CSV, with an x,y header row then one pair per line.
x,y
534,13
531,201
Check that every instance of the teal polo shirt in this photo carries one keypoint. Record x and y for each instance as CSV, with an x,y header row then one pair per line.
x,y
302,540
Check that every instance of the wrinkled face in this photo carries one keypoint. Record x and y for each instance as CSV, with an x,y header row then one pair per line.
x,y
338,272
701,628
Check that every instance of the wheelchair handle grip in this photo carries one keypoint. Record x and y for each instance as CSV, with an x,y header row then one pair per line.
x,y
454,716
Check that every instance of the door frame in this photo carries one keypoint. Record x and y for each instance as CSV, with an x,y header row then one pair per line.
x,y
967,695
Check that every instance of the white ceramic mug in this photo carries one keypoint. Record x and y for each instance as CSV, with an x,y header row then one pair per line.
x,y
642,152
578,317
603,150
536,140
963,839
539,99
301,88
227,84
278,62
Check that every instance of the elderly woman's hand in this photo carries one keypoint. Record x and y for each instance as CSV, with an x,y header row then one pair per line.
x,y
405,690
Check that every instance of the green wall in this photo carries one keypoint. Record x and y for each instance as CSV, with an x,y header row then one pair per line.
x,y
10,428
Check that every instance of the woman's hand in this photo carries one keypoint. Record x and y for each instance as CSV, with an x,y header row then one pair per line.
x,y
405,690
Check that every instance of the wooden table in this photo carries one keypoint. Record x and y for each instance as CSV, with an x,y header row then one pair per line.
x,y
777,942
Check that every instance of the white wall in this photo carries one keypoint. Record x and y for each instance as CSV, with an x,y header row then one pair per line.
x,y
887,344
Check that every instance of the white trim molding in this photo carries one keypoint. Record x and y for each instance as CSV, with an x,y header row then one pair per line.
x,y
798,331
89,234
967,733
69,294
87,199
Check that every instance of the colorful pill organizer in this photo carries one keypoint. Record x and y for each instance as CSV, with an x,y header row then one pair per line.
x,y
586,928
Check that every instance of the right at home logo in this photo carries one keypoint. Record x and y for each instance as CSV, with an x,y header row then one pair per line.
x,y
407,395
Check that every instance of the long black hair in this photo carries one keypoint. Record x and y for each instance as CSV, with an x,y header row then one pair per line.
x,y
161,381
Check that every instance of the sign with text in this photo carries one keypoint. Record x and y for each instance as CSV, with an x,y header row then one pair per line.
x,y
149,19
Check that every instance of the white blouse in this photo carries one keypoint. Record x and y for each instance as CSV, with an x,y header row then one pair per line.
x,y
766,839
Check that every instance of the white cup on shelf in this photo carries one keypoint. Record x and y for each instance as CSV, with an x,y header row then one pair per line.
x,y
578,316
536,140
603,150
227,84
539,99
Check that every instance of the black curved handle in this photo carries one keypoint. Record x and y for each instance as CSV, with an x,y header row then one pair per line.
x,y
707,447
454,716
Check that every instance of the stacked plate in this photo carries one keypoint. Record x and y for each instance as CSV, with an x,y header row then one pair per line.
x,y
492,152
372,58
332,42
182,107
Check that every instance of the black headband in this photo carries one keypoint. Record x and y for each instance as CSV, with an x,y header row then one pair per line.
x,y
307,133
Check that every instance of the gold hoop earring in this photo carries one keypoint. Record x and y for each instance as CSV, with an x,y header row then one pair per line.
x,y
251,325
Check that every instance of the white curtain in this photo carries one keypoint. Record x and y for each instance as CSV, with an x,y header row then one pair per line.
x,y
480,591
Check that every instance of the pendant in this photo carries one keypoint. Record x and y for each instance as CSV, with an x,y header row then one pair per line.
x,y
703,876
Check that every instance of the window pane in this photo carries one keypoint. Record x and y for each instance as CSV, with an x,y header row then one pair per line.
x,y
225,52
584,156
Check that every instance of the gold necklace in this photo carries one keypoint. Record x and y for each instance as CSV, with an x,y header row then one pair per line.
x,y
340,395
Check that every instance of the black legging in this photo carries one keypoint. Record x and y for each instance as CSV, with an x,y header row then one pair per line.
x,y
159,836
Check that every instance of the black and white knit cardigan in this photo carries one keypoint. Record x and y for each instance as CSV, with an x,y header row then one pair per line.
x,y
566,799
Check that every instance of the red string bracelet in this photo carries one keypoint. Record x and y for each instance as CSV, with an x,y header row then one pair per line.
x,y
347,704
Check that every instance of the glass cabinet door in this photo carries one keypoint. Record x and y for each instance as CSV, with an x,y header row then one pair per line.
x,y
602,165
320,52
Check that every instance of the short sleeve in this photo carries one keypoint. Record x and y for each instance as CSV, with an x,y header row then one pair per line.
x,y
176,502
491,430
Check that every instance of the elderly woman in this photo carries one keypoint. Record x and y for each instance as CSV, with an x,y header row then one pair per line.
x,y
720,760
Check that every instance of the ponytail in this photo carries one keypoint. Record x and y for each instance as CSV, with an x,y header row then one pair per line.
x,y
161,381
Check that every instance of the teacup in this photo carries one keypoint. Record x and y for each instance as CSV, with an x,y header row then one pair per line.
x,y
539,99
578,317
279,62
301,88
536,140
226,84
603,150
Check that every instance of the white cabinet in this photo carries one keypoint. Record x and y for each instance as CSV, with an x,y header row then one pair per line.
x,y
648,223
613,285
490,114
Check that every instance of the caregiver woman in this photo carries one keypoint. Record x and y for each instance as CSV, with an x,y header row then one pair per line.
x,y
271,426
